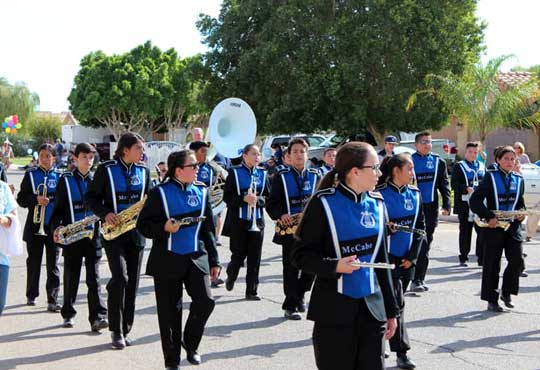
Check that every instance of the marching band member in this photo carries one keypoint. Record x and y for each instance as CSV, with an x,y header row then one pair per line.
x,y
329,159
502,190
404,205
161,169
182,254
350,304
390,143
117,184
69,208
10,234
292,187
37,180
466,176
245,191
3,173
431,176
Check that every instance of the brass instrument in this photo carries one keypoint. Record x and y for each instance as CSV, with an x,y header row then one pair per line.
x,y
39,210
288,230
505,218
188,220
375,265
217,190
76,231
252,210
127,221
407,229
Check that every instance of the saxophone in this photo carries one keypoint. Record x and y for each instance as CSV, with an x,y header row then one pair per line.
x,y
127,221
505,218
76,231
281,229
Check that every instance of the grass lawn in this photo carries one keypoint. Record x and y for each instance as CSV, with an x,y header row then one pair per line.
x,y
21,161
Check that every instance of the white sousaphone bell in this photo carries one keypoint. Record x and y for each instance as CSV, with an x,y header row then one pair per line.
x,y
232,126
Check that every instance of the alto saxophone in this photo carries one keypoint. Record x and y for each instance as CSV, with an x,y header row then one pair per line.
x,y
282,229
505,218
127,221
76,231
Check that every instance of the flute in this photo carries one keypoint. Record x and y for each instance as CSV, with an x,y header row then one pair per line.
x,y
407,229
375,265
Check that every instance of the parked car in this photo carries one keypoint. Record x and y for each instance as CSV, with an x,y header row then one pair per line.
x,y
313,140
445,148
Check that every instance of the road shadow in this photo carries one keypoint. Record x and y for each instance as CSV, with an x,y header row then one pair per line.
x,y
489,342
450,321
261,350
227,330
34,334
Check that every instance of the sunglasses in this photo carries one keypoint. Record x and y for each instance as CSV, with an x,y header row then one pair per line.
x,y
192,165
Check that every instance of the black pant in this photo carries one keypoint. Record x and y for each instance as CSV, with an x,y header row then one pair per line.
x,y
400,341
356,346
169,311
498,240
125,264
465,237
73,258
244,243
431,215
295,282
33,267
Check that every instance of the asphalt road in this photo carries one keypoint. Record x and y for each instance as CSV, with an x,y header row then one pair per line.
x,y
449,325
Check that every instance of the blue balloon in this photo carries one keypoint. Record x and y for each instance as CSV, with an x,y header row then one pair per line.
x,y
4,125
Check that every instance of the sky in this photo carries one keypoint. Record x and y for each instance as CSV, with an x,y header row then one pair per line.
x,y
42,42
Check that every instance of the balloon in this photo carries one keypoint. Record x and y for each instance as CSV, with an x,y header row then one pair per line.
x,y
4,125
8,130
15,118
13,130
18,125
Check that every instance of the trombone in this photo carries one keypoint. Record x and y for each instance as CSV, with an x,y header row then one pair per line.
x,y
252,210
39,210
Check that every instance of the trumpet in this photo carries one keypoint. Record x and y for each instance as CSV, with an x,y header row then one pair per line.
x,y
281,229
252,210
76,231
404,228
505,218
374,265
39,210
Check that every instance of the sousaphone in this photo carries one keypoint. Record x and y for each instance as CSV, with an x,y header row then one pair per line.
x,y
232,126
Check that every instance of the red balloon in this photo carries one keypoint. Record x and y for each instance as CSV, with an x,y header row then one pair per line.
x,y
15,119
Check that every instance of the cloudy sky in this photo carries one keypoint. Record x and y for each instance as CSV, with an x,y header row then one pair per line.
x,y
42,42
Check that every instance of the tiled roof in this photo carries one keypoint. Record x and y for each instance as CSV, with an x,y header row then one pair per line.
x,y
513,78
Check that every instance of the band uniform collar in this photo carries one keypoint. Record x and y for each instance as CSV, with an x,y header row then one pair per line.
x,y
399,189
351,194
84,177
182,185
247,167
299,173
126,166
421,155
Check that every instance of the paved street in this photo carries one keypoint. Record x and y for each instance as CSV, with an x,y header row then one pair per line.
x,y
449,326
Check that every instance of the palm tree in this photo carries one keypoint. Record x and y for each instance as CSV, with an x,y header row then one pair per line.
x,y
481,102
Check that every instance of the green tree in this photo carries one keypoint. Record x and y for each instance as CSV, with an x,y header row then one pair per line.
x,y
45,128
143,90
17,99
306,65
479,100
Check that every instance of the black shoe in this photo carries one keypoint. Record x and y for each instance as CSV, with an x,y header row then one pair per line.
x,y
507,299
218,243
54,307
524,274
495,307
217,283
426,287
99,324
403,362
192,356
417,287
117,341
172,368
302,307
30,302
252,297
68,323
463,264
292,315
386,354
128,340
524,255
229,284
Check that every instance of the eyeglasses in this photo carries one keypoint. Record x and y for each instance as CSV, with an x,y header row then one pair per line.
x,y
375,167
192,165
425,142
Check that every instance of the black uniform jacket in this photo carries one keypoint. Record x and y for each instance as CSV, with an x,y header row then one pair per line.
x,y
276,204
485,191
26,198
99,200
163,263
459,185
61,215
3,175
314,253
235,201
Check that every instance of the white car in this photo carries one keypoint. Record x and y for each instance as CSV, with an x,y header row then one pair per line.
x,y
313,140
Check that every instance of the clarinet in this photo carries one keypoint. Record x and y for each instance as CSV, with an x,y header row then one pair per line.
x,y
407,229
